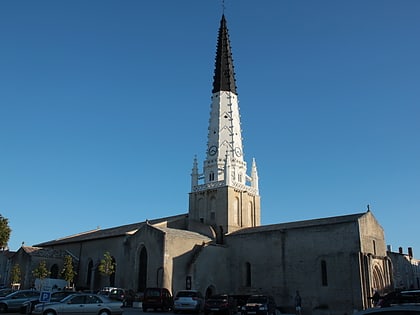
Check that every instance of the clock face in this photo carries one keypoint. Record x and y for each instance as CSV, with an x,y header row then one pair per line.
x,y
212,150
238,151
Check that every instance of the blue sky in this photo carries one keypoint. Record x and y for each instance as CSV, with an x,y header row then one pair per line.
x,y
103,105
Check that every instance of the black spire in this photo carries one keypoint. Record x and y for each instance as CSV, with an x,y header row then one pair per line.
x,y
224,76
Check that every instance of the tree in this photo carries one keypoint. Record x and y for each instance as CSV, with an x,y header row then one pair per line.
x,y
107,265
5,231
68,272
15,274
41,271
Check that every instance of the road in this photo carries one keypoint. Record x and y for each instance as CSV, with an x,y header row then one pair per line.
x,y
127,311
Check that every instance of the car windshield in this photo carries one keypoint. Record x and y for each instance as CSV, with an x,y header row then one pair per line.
x,y
218,297
187,294
152,293
257,299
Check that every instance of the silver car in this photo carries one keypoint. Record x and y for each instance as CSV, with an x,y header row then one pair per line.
x,y
188,300
14,301
86,303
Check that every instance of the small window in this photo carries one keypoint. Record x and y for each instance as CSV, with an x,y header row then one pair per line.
x,y
247,274
324,277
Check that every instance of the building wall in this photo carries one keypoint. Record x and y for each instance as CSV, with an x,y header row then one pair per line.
x,y
285,260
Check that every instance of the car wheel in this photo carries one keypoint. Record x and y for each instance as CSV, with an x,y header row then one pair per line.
x,y
49,312
3,308
144,309
103,312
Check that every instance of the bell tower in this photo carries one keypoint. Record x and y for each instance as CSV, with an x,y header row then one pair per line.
x,y
223,195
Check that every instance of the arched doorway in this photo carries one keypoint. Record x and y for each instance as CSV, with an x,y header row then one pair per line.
x,y
210,291
378,280
142,281
54,271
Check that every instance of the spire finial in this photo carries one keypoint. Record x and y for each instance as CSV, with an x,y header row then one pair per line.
x,y
223,7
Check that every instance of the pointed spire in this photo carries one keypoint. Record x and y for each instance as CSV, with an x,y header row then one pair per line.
x,y
254,175
224,76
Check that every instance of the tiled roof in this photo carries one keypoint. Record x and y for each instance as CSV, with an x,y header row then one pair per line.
x,y
184,234
107,233
44,252
301,224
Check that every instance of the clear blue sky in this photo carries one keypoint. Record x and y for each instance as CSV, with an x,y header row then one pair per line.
x,y
103,105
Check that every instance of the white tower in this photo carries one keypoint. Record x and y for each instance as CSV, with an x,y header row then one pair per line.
x,y
223,195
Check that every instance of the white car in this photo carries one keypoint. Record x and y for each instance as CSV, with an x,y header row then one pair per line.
x,y
86,303
188,300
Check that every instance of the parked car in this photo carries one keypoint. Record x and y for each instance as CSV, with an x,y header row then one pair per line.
x,y
220,303
392,310
76,304
106,290
188,300
117,294
400,297
14,301
28,306
5,291
157,298
259,305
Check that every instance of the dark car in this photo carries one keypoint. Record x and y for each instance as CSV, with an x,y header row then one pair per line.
x,y
259,305
392,310
14,301
220,303
157,298
117,294
399,298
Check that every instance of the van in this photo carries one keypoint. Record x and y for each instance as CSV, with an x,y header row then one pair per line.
x,y
157,298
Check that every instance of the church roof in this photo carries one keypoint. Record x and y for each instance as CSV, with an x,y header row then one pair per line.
x,y
43,252
98,233
224,76
301,224
184,234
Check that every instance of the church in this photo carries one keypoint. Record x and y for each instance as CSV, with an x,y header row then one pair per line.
x,y
220,246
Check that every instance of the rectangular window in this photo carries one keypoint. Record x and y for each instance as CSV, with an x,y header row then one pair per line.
x,y
324,277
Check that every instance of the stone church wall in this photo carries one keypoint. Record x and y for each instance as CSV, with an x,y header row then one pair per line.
x,y
321,261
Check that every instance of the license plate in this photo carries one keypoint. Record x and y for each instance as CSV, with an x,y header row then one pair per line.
x,y
214,309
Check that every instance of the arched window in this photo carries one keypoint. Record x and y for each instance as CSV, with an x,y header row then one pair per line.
x,y
324,278
250,214
211,176
247,274
142,270
213,209
201,209
236,211
112,276
89,273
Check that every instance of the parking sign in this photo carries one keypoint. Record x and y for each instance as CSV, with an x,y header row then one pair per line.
x,y
45,296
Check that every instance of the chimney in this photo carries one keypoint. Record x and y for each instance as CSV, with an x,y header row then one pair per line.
x,y
389,248
400,250
410,252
